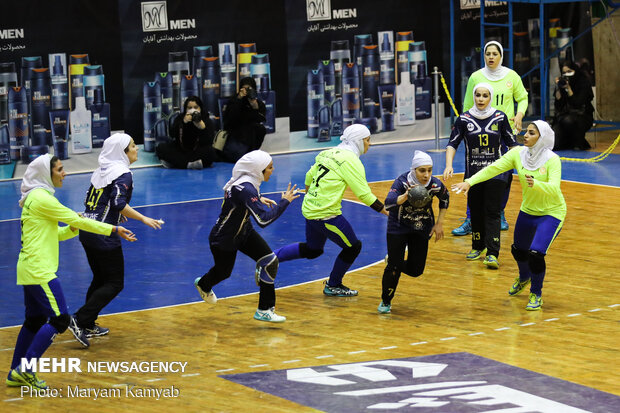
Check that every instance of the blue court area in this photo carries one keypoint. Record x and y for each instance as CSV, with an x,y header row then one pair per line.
x,y
162,265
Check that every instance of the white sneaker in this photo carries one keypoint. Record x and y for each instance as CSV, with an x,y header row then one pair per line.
x,y
195,164
209,297
269,315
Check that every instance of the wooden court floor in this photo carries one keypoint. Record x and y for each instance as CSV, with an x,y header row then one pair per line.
x,y
455,306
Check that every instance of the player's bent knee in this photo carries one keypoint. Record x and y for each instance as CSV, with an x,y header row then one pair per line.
x,y
537,262
60,323
35,323
267,268
519,254
308,253
349,254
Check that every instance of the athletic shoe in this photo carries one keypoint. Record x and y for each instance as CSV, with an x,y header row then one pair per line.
x,y
491,262
504,224
475,254
269,315
78,333
384,308
464,229
166,164
17,378
209,297
339,291
518,286
195,165
96,331
535,303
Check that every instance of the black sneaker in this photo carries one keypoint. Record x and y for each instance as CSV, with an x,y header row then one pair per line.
x,y
78,333
96,331
339,291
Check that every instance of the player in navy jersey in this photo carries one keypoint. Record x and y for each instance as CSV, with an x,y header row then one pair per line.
x,y
411,227
484,130
234,232
107,200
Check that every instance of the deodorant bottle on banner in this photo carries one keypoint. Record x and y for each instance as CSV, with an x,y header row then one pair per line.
x,y
199,53
260,70
228,86
405,95
315,87
336,111
28,63
178,65
423,86
19,133
77,62
350,94
93,80
402,49
324,124
189,87
41,95
327,67
60,87
59,122
386,56
210,69
101,119
370,81
416,57
151,114
245,51
81,122
8,79
165,85
359,41
339,54
5,145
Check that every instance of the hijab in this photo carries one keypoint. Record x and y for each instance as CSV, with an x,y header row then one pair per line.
x,y
113,161
500,71
534,157
37,175
352,138
419,159
488,110
249,168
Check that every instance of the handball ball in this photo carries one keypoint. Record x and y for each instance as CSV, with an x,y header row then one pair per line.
x,y
418,196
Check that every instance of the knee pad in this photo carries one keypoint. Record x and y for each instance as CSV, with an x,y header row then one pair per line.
x,y
349,254
35,323
308,253
266,269
60,323
537,262
520,255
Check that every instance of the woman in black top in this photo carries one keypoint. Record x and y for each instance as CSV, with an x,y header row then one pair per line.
x,y
192,133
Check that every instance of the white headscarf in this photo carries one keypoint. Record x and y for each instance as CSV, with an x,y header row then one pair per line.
x,y
488,110
419,159
249,169
352,138
37,175
113,161
534,157
500,71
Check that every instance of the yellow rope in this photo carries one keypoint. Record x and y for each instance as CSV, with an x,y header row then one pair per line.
x,y
597,158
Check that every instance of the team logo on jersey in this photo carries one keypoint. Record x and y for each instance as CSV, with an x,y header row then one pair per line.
x,y
509,85
470,127
494,127
542,170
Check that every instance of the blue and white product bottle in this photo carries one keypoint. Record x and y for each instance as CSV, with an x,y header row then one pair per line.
x,y
370,123
101,119
5,145
41,104
324,124
402,50
245,51
178,65
93,80
327,67
152,113
416,56
210,69
340,55
59,122
260,70
33,62
269,99
359,41
316,90
386,57
19,133
423,86
189,87
405,95
8,79
370,81
228,85
336,111
350,94
77,63
60,87
165,85
199,53
30,153
80,122
386,105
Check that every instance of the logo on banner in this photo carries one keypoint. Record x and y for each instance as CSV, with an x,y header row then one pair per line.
x,y
154,16
475,4
318,9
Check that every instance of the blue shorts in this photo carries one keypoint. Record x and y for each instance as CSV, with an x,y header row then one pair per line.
x,y
536,233
45,299
337,229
